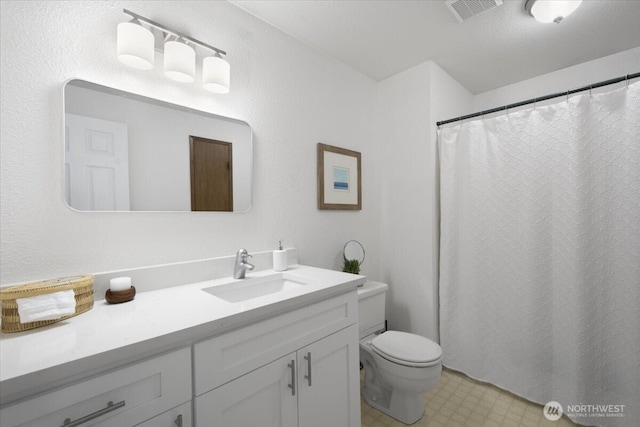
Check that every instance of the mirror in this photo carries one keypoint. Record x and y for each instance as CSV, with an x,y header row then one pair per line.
x,y
126,152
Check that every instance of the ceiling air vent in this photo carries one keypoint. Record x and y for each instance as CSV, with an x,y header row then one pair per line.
x,y
464,10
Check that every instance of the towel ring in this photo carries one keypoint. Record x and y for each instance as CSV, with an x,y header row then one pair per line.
x,y
353,250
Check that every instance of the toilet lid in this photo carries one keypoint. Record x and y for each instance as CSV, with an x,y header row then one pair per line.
x,y
405,348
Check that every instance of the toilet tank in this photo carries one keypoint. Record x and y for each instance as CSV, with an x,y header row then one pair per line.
x,y
371,306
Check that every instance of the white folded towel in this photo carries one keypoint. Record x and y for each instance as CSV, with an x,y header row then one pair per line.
x,y
46,307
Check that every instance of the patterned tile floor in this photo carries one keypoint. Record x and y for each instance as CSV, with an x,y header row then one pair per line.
x,y
460,401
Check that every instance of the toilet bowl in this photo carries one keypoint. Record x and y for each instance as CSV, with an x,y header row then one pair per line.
x,y
398,366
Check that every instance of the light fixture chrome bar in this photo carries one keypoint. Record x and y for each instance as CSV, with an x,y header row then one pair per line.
x,y
173,32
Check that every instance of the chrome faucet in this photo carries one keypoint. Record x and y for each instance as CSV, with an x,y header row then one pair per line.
x,y
241,265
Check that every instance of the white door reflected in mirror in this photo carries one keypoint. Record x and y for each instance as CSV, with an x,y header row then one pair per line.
x,y
96,164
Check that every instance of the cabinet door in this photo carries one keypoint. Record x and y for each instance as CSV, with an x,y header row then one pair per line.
x,y
266,397
328,381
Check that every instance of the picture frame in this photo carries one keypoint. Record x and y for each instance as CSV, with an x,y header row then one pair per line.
x,y
339,178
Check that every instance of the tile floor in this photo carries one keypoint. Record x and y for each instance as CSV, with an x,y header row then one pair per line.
x,y
460,401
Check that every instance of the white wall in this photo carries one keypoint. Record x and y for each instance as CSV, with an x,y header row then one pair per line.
x,y
409,105
292,96
403,101
608,67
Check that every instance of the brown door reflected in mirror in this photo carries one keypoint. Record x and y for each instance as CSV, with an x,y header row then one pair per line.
x,y
211,175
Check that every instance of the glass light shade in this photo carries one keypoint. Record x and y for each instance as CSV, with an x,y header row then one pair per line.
x,y
135,46
553,10
179,62
216,74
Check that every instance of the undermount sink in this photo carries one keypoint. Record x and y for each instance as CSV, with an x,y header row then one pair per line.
x,y
256,287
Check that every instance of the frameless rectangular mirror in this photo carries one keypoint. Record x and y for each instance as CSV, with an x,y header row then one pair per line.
x,y
126,152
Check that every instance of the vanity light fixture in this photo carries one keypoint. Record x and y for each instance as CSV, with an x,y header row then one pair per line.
x,y
215,74
137,42
179,61
547,11
135,45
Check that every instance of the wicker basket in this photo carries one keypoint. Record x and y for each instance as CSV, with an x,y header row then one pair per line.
x,y
82,287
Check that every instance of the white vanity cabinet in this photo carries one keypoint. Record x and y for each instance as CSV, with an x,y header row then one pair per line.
x,y
295,369
285,358
127,396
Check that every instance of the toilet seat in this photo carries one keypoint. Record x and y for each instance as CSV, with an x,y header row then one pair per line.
x,y
407,349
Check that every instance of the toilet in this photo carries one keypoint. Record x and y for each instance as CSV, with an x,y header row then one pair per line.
x,y
398,366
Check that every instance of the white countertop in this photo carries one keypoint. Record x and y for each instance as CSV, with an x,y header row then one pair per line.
x,y
111,334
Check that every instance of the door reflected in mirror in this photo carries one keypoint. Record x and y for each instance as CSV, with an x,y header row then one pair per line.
x,y
125,152
211,175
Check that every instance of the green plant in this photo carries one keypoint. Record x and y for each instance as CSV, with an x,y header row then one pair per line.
x,y
351,266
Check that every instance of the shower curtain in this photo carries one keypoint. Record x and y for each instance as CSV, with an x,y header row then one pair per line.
x,y
540,253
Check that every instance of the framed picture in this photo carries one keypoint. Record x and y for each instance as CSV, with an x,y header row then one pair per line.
x,y
339,178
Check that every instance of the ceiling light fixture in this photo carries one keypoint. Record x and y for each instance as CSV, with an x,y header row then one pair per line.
x,y
137,42
547,11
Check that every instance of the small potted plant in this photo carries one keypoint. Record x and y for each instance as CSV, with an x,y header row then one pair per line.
x,y
353,256
351,266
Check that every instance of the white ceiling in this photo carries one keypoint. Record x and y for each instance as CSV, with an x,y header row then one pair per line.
x,y
505,45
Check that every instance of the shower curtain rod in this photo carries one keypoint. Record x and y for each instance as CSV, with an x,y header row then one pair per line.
x,y
542,98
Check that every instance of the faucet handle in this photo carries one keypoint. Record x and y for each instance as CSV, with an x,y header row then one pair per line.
x,y
243,254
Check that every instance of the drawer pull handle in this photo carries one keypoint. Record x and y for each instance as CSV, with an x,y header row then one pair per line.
x,y
308,359
292,386
178,420
110,408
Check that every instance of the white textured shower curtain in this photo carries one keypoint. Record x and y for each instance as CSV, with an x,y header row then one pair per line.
x,y
540,253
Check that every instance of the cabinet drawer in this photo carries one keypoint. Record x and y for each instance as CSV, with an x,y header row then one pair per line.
x,y
136,392
176,417
228,356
